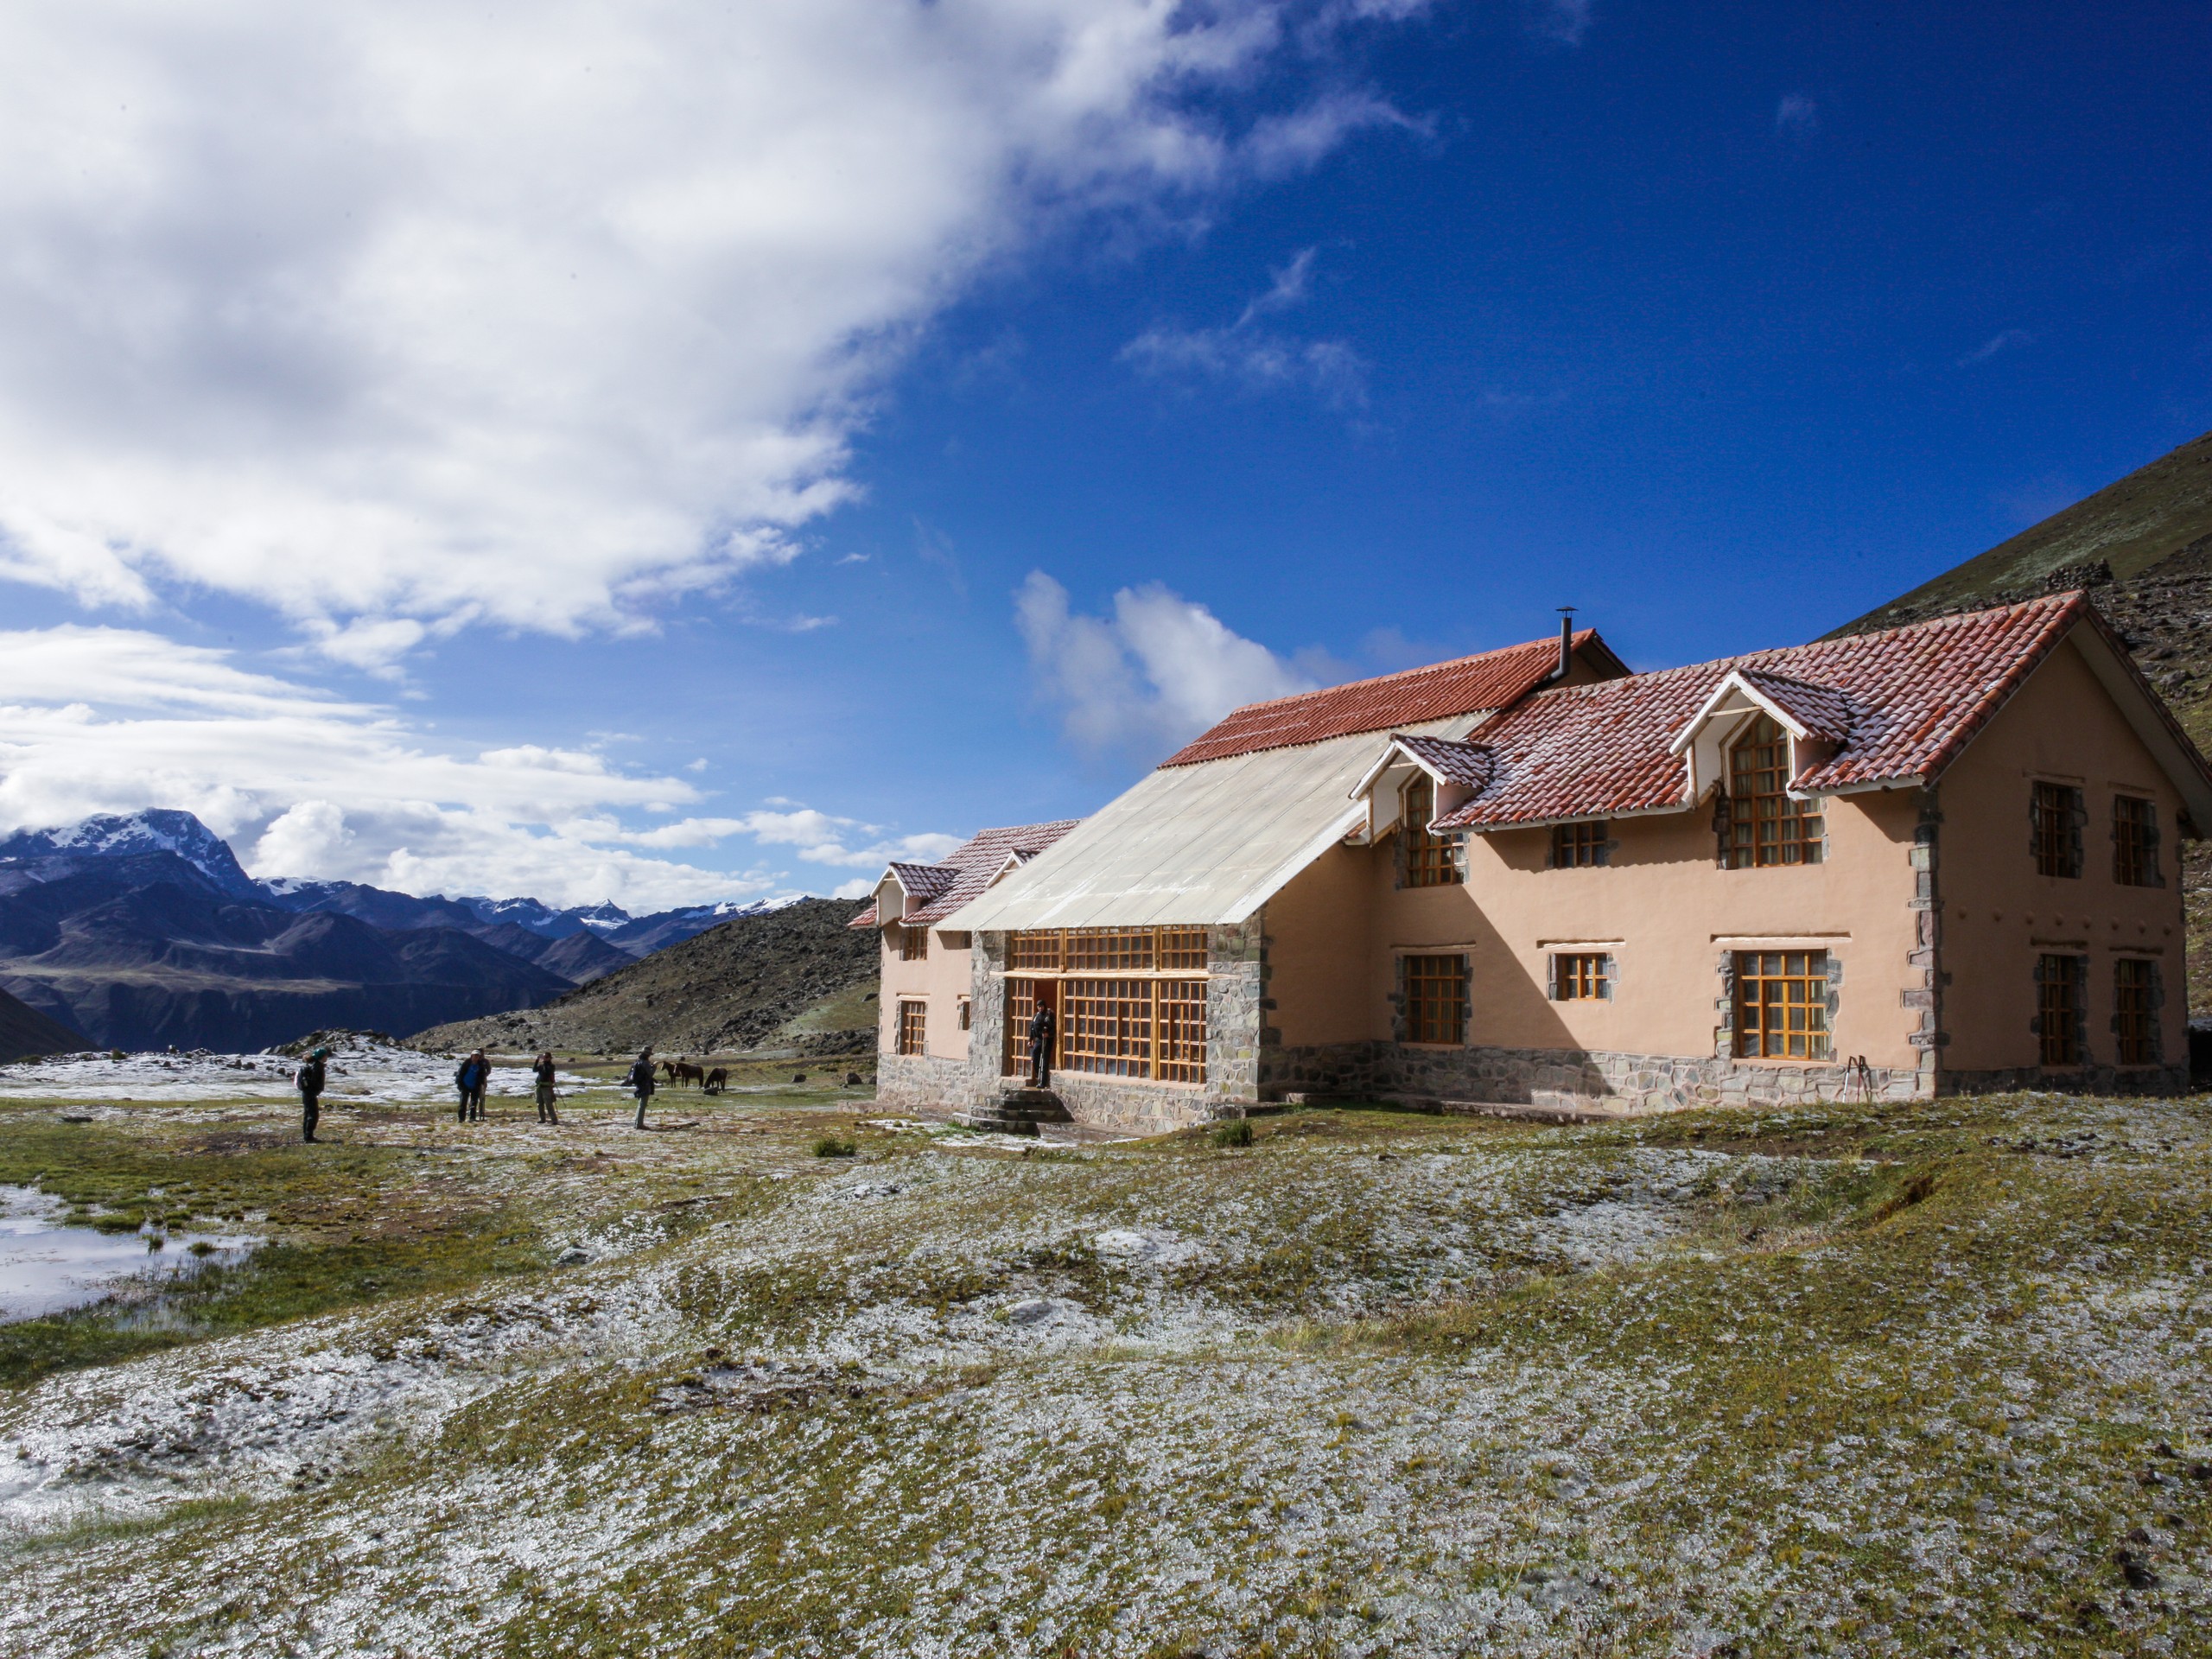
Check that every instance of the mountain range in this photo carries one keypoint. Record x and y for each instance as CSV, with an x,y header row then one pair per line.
x,y
143,930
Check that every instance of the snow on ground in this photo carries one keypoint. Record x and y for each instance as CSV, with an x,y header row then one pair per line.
x,y
363,1072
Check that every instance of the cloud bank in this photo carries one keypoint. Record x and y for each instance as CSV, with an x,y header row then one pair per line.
x,y
1149,677
111,720
401,316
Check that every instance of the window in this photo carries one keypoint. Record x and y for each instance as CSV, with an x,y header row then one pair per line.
x,y
1429,863
1782,1005
914,943
1578,846
1582,977
1021,1009
913,1026
1766,826
2134,842
2062,986
1132,1001
2135,1003
2058,819
1436,999
1108,950
967,1014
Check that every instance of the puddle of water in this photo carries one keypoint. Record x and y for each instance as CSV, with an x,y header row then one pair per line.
x,y
47,1266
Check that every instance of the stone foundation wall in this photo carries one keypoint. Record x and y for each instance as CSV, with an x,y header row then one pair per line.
x,y
1580,1079
926,1080
1130,1104
2071,1080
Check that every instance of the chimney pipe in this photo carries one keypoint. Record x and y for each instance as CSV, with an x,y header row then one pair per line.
x,y
1565,641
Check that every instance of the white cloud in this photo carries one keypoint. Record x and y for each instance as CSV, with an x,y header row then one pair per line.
x,y
2004,341
1248,354
105,720
1156,673
1564,20
1796,116
400,316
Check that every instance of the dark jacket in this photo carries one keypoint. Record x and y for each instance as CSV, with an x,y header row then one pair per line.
x,y
543,1070
1040,1026
641,1077
309,1080
472,1074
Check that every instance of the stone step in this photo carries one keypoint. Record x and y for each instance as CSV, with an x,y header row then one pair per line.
x,y
995,1123
1038,1105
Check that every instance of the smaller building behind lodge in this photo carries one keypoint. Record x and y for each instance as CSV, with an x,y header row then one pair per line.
x,y
1942,858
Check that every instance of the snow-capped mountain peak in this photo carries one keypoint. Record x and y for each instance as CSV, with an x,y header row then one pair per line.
x,y
155,829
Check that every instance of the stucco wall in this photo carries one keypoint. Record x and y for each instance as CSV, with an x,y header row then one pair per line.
x,y
1998,914
1661,908
940,979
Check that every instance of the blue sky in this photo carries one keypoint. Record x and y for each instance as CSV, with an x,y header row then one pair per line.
x,y
924,415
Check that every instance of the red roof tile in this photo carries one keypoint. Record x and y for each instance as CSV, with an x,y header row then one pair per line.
x,y
1460,763
1906,701
1821,711
967,869
1495,679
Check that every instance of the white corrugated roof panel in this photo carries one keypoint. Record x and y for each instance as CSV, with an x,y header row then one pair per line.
x,y
1193,845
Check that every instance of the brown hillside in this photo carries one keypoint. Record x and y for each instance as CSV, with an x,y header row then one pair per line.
x,y
734,988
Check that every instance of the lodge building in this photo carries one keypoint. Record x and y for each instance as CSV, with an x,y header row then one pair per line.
x,y
1937,859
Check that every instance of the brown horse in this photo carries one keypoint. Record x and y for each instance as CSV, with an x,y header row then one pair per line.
x,y
717,1080
687,1072
668,1071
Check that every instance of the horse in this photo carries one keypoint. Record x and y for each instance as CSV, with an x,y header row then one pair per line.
x,y
668,1071
717,1080
687,1072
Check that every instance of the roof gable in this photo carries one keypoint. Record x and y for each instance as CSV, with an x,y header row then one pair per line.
x,y
1494,680
935,891
1889,708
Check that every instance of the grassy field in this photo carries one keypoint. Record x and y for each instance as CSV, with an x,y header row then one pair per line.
x,y
1916,1380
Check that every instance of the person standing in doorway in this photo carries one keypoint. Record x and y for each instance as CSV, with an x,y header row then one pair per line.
x,y
1040,1046
309,1080
542,1069
641,1082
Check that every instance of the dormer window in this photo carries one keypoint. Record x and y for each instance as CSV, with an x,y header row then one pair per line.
x,y
1429,863
1765,824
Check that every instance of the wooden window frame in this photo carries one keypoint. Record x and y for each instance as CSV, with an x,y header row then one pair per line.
x,y
913,1026
1053,952
2055,815
1148,1026
1432,861
2135,843
1768,827
913,943
1781,1007
2135,1010
1435,988
965,1015
2061,1009
1582,846
1582,977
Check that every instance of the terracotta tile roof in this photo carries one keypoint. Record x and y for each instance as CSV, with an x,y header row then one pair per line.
x,y
1495,679
1820,709
1460,763
967,869
1906,700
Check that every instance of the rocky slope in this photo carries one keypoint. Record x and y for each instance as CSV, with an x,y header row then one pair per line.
x,y
25,1031
2127,528
734,988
